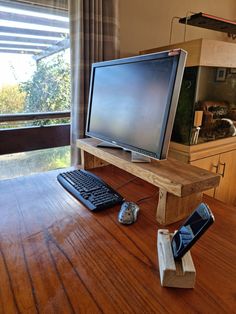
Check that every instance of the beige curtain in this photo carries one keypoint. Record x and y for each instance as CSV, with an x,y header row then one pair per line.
x,y
94,35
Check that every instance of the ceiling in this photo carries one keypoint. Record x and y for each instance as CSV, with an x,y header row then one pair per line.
x,y
32,29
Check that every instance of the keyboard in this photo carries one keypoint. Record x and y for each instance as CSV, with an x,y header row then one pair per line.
x,y
89,189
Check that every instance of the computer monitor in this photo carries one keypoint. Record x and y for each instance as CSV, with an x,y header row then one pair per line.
x,y
132,101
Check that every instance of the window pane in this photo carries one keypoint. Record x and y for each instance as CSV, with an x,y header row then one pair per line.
x,y
20,164
35,67
35,59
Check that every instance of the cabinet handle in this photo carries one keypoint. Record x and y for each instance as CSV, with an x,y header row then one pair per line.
x,y
222,164
216,166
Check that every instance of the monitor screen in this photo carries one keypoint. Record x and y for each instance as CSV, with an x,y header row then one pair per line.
x,y
132,101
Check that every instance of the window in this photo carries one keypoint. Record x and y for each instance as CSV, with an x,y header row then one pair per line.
x,y
35,86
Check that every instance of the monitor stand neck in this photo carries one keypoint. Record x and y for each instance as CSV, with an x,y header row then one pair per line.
x,y
136,157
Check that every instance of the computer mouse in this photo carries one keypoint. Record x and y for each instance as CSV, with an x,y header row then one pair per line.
x,y
128,213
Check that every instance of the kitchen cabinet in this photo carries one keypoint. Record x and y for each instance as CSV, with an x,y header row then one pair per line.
x,y
226,191
216,156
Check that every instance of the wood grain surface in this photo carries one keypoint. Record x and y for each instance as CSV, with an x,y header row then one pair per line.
x,y
204,52
58,257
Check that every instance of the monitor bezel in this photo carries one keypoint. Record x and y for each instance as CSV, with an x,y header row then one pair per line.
x,y
179,56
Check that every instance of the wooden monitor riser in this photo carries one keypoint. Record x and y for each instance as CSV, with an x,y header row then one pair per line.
x,y
180,185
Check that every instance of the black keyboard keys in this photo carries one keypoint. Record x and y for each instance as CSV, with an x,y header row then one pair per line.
x,y
89,189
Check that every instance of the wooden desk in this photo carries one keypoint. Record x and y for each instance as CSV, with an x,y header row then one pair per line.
x,y
58,257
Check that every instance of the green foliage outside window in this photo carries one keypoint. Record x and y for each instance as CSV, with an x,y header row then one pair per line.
x,y
49,88
12,99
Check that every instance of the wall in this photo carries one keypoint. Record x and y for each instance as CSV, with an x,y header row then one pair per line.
x,y
210,88
146,24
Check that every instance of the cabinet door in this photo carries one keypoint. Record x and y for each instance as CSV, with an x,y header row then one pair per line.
x,y
210,164
226,192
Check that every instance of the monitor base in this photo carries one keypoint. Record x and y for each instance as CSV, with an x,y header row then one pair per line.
x,y
108,145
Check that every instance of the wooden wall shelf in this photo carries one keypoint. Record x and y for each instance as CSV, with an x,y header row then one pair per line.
x,y
208,21
180,185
